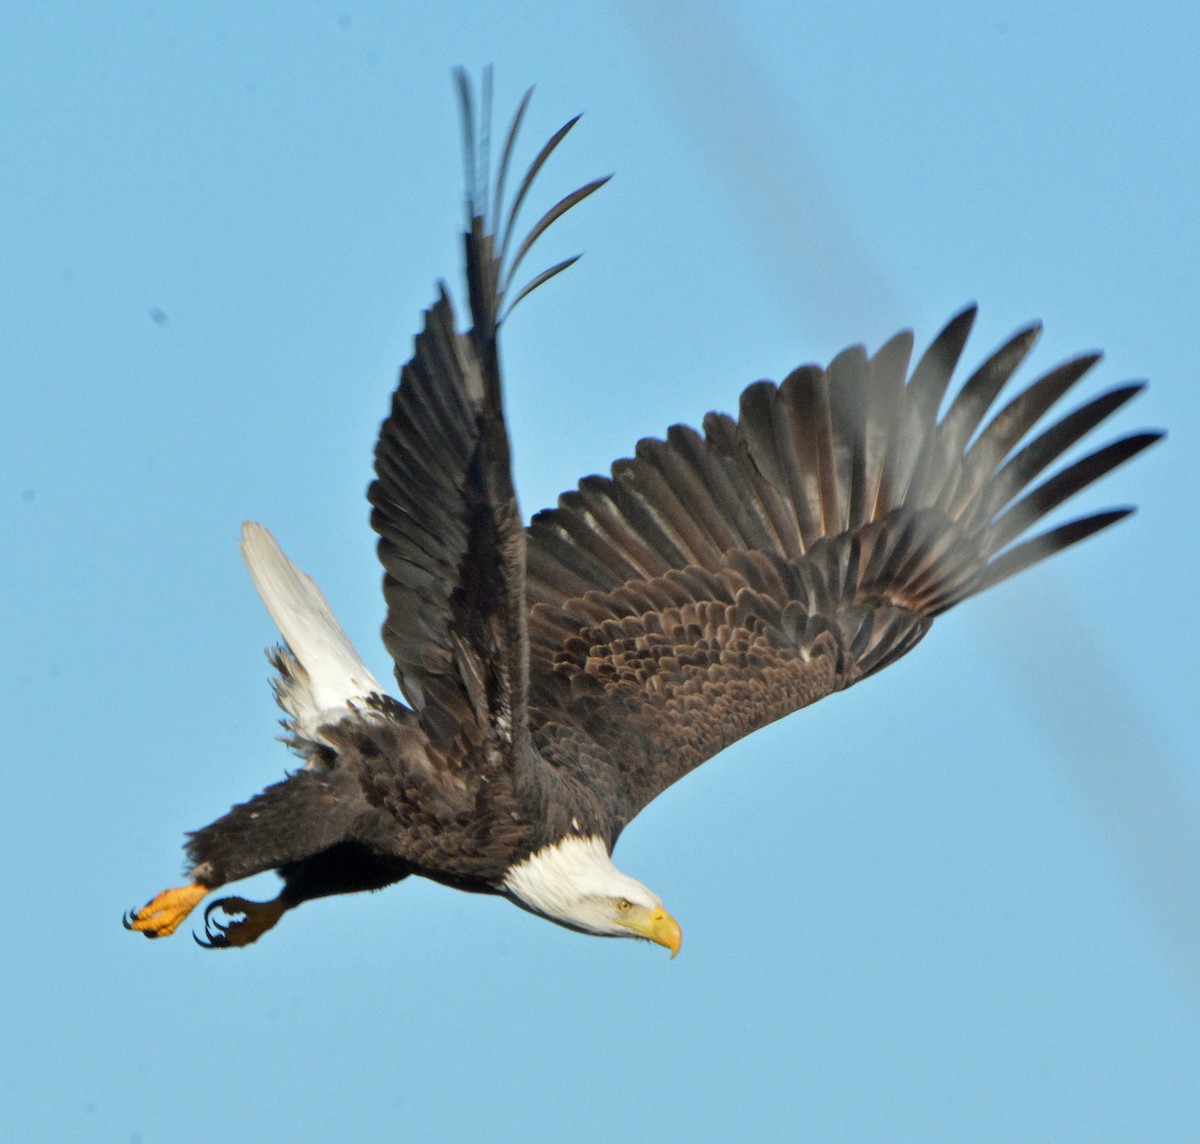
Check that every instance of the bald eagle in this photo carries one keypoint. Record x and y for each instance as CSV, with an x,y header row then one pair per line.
x,y
557,677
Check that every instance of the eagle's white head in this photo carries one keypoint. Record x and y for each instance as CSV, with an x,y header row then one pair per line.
x,y
574,883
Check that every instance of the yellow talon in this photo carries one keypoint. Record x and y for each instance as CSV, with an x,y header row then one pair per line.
x,y
258,917
161,917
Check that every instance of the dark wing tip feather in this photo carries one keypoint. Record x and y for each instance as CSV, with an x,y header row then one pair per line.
x,y
506,156
491,223
1066,483
527,182
1021,556
538,279
540,227
930,378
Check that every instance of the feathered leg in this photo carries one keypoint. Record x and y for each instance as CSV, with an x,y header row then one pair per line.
x,y
305,815
346,868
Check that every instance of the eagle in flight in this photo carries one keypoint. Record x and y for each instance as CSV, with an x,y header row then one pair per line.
x,y
557,677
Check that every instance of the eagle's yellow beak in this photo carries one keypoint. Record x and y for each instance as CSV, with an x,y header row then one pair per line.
x,y
657,925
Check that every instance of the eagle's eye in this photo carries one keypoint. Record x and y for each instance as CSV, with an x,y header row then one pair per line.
x,y
624,905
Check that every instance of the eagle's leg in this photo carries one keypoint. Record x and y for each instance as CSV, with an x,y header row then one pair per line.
x,y
256,919
289,823
346,868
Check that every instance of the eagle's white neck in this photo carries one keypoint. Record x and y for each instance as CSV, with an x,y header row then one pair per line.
x,y
550,880
574,881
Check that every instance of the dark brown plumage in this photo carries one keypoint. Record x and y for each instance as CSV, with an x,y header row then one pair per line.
x,y
557,678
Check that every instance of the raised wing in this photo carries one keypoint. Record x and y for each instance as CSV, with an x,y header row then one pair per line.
x,y
451,539
716,583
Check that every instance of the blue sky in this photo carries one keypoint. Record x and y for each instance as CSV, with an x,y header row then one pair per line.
x,y
956,903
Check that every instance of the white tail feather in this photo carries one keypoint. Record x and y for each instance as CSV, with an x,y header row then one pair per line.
x,y
325,676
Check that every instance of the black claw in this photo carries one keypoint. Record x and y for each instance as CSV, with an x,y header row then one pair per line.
x,y
209,941
214,931
130,916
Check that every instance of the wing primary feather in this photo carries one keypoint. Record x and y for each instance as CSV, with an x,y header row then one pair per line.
x,y
539,228
970,406
1065,484
527,182
923,397
537,281
1044,449
945,442
980,390
931,378
1009,426
466,116
506,158
888,370
1021,556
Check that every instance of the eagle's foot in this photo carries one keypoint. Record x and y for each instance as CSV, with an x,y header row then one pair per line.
x,y
257,918
161,916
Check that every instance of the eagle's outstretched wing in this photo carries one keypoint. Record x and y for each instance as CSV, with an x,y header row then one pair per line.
x,y
714,584
451,537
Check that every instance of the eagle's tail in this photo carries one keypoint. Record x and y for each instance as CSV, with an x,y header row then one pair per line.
x,y
321,677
